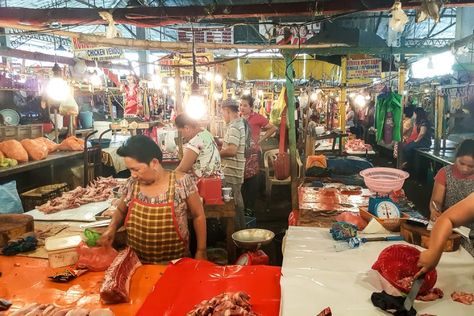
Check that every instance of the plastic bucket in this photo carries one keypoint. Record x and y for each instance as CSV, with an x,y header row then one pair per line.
x,y
86,119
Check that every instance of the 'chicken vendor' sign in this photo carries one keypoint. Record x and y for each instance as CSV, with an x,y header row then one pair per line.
x,y
91,52
364,68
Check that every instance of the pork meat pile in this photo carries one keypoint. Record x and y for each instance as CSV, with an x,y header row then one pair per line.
x,y
36,309
97,191
463,297
357,145
225,304
116,286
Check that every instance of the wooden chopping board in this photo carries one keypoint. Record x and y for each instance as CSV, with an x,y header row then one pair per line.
x,y
13,226
420,236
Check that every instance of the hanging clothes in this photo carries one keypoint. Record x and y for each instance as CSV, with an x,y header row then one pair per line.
x,y
388,107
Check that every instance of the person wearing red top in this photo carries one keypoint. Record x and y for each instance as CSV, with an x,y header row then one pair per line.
x,y
454,183
257,123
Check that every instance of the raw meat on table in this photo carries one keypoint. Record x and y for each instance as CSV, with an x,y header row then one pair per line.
x,y
116,286
357,145
225,304
36,309
97,191
463,297
432,295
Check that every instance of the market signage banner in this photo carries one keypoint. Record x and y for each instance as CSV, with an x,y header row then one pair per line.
x,y
98,53
364,68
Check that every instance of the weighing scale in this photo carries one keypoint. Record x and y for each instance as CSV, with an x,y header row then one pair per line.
x,y
384,181
251,240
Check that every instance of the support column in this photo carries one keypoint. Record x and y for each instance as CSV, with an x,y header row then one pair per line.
x,y
142,54
402,73
342,98
3,42
290,92
439,115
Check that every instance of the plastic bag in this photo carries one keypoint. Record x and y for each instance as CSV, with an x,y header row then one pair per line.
x,y
36,150
95,258
343,230
72,143
9,199
398,262
13,149
277,108
52,146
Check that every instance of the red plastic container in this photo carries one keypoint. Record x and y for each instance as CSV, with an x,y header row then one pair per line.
x,y
210,189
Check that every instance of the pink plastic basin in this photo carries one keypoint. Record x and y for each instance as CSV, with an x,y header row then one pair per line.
x,y
384,180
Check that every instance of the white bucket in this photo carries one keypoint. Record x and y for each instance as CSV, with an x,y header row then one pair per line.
x,y
59,118
100,127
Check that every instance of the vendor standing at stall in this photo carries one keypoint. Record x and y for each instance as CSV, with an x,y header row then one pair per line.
x,y
154,206
257,124
233,156
200,154
454,183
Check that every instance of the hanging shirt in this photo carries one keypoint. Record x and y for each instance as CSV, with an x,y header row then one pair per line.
x,y
389,102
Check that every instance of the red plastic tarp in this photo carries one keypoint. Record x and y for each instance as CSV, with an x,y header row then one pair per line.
x,y
188,282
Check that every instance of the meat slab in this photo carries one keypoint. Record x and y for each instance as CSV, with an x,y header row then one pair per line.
x,y
463,297
97,191
116,286
225,304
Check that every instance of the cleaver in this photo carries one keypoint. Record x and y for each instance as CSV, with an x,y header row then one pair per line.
x,y
415,288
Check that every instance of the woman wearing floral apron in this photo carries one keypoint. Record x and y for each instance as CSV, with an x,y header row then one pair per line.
x,y
154,207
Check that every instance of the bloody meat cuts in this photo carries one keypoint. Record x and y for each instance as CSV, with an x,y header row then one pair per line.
x,y
432,295
116,286
463,297
98,190
225,304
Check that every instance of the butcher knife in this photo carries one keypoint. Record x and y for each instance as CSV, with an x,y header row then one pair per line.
x,y
415,288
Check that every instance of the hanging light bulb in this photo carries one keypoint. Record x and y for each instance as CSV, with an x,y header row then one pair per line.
x,y
217,95
246,92
352,95
218,79
208,76
171,81
95,80
183,84
313,97
430,63
360,100
260,93
367,97
57,89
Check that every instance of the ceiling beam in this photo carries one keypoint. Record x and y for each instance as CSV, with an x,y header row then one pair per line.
x,y
16,53
159,16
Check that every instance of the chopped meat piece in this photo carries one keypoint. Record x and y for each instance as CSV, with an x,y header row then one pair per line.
x,y
97,191
116,286
325,312
432,295
25,310
225,304
405,283
101,312
463,297
78,312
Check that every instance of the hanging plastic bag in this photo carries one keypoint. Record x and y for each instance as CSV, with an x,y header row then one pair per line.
x,y
9,199
170,144
277,108
95,258
281,165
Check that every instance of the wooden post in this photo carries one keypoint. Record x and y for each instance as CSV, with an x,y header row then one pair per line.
x,y
439,114
224,89
178,104
342,97
402,73
290,92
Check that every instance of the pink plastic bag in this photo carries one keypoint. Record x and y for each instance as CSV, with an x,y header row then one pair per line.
x,y
95,258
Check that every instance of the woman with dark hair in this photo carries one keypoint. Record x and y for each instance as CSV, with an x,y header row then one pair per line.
x,y
154,206
409,132
454,183
200,154
423,139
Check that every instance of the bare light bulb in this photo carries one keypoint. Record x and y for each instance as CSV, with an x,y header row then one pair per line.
x,y
57,89
218,79
359,100
313,97
196,107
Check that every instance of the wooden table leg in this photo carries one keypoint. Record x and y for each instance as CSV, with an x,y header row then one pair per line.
x,y
230,243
